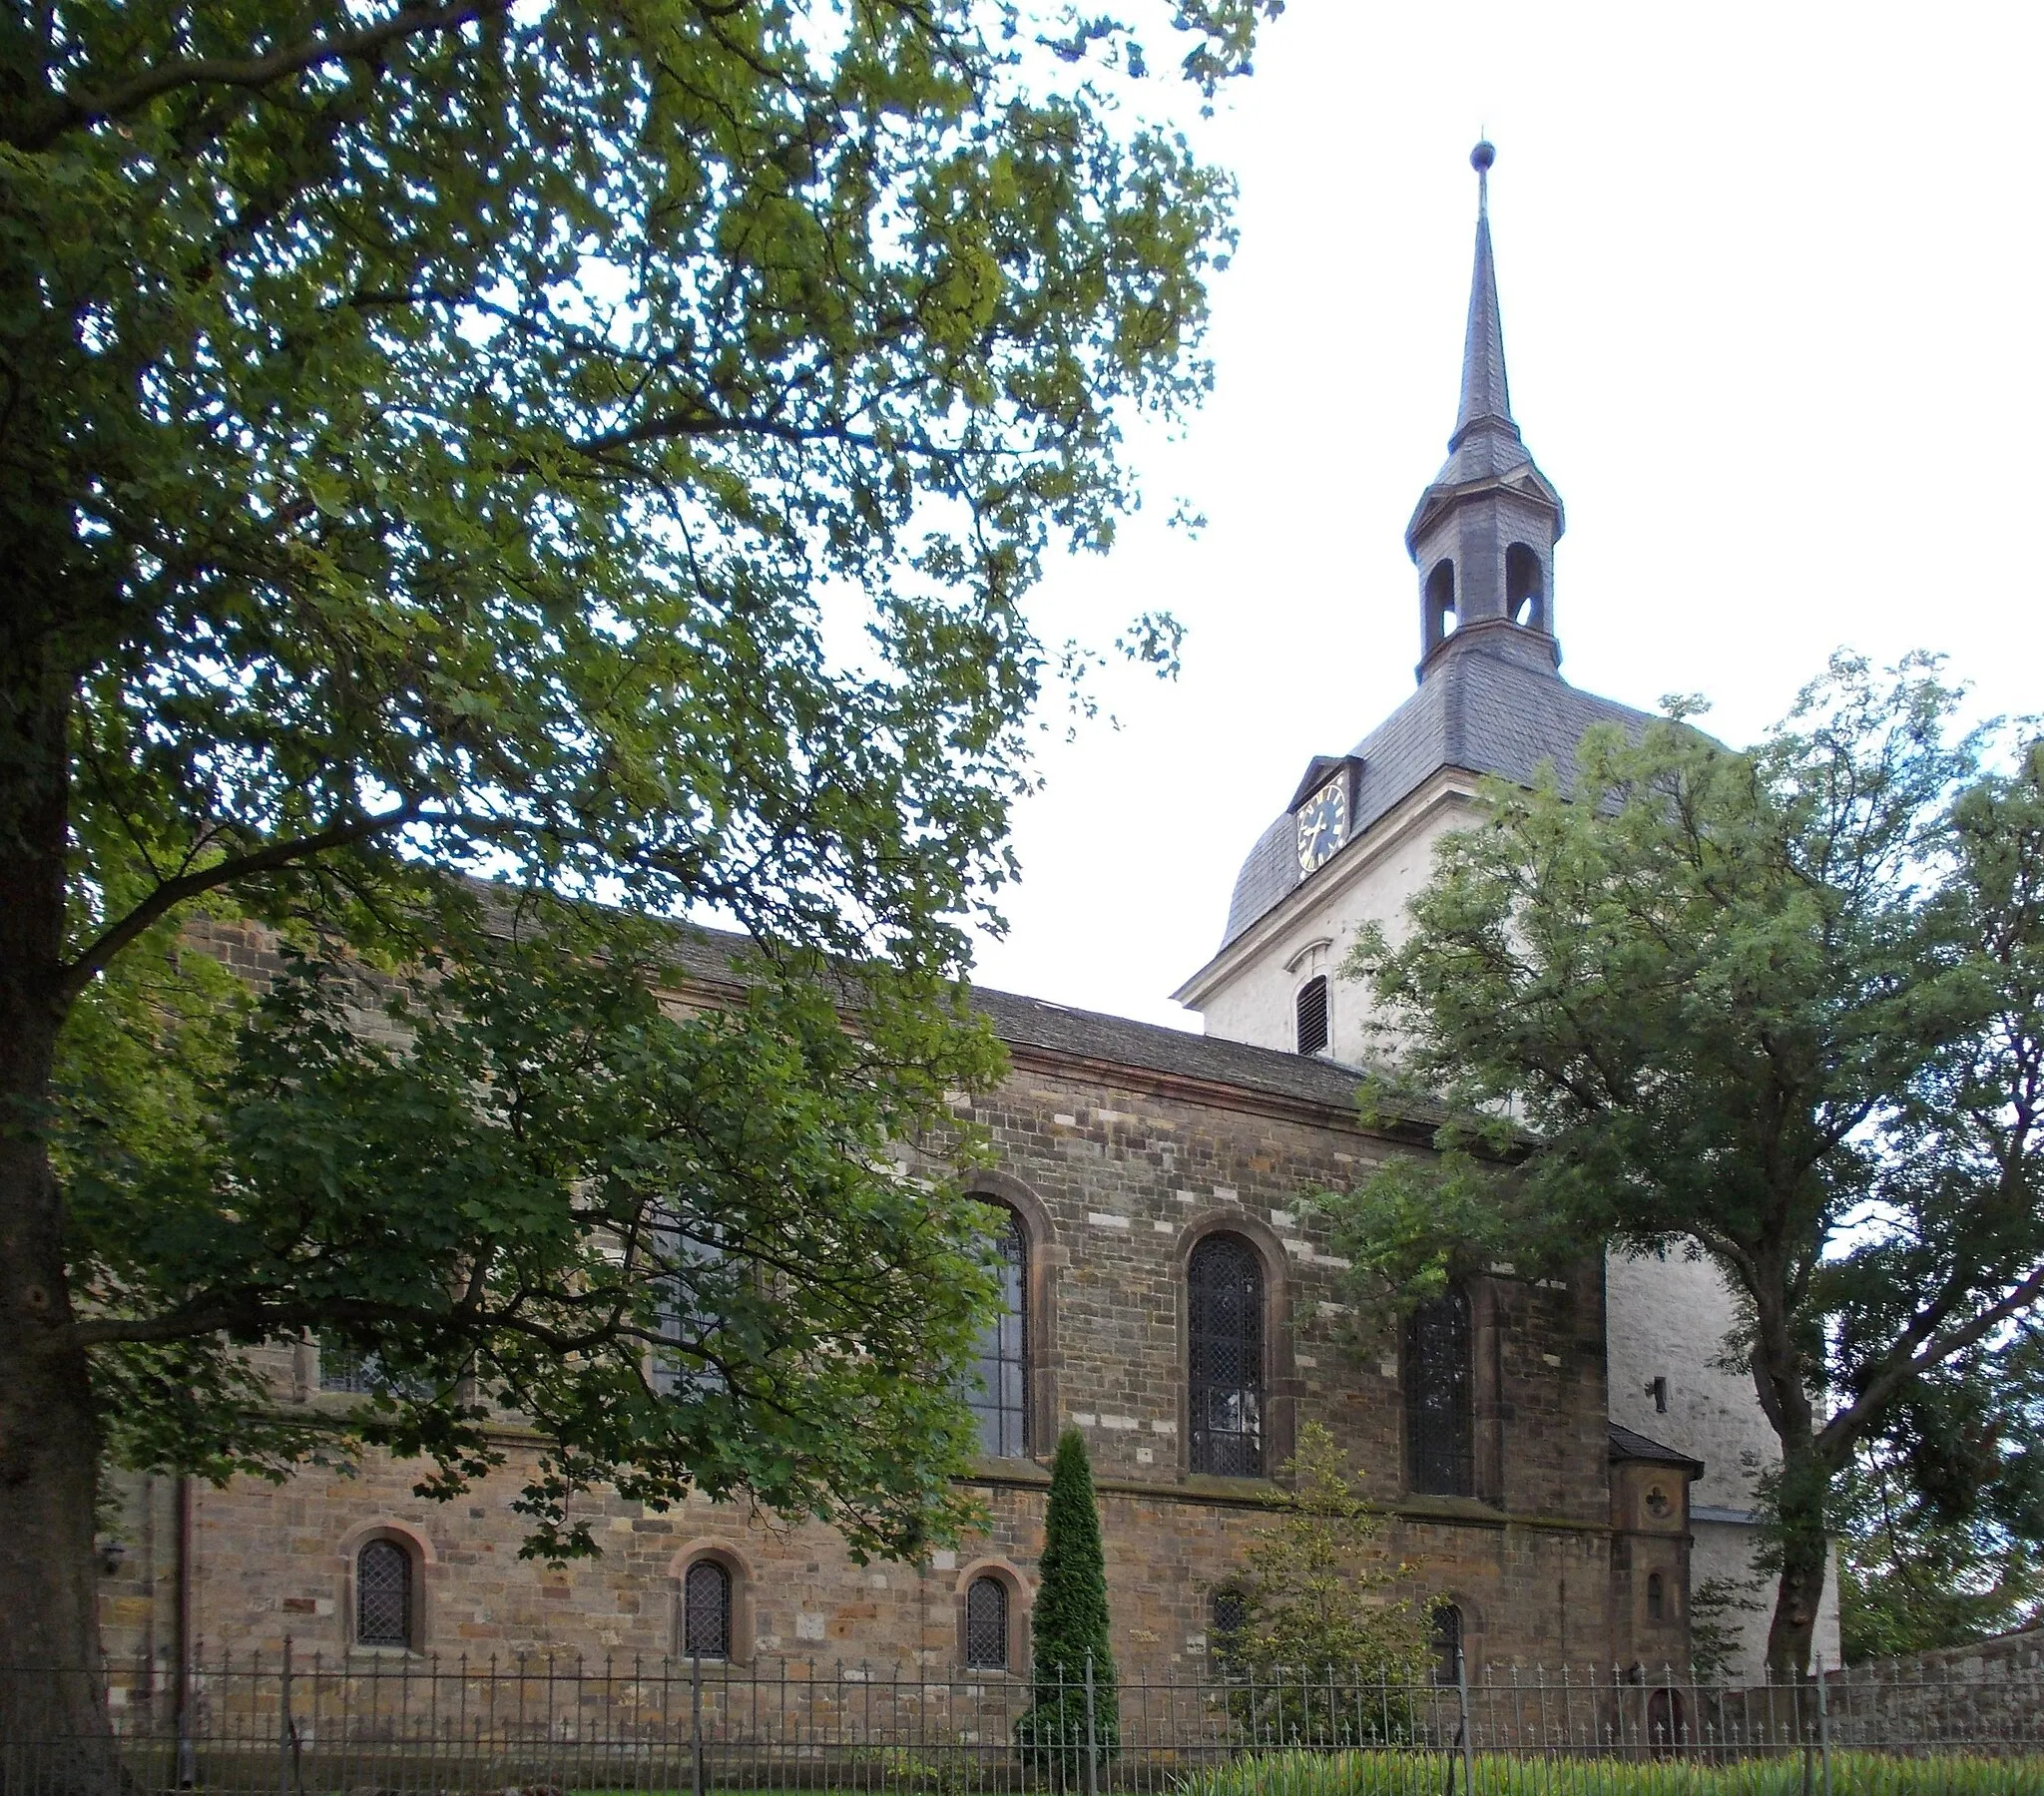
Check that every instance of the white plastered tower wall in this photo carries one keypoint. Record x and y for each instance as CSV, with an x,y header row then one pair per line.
x,y
1254,999
1491,702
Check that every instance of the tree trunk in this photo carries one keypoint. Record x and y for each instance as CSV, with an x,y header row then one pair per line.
x,y
1779,1378
1806,1557
52,1694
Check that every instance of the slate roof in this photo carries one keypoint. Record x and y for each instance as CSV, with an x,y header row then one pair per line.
x,y
1491,702
1627,1445
1114,1041
1091,1035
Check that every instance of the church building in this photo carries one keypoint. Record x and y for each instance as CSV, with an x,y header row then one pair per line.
x,y
1560,1462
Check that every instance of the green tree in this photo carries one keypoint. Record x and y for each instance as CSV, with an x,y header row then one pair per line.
x,y
1070,1626
1783,1008
1318,1614
451,437
1941,1513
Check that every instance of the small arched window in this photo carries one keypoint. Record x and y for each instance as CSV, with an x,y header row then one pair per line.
x,y
1440,604
1224,1293
705,1610
1446,1644
986,1625
1437,1397
1230,1616
1657,1598
998,1387
1525,599
383,1595
1312,1009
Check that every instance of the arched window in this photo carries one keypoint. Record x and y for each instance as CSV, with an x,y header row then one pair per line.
x,y
986,1625
383,1595
1525,600
1229,1616
1446,1643
998,1384
1312,1010
1440,604
705,1610
1437,1397
695,1272
1226,1309
1657,1598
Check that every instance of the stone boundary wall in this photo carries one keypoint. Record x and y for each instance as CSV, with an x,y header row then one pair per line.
x,y
1988,1693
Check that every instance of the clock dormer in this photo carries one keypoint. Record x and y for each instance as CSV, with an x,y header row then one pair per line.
x,y
1324,810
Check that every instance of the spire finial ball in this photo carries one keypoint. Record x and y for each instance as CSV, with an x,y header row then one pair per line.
x,y
1481,158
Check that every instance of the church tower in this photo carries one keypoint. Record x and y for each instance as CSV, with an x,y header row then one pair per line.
x,y
1484,532
1356,842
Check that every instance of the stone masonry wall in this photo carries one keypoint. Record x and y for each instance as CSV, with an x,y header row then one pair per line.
x,y
1116,1175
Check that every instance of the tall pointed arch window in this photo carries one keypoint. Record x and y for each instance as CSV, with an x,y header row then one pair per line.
x,y
696,1274
1225,1310
998,1383
1437,1406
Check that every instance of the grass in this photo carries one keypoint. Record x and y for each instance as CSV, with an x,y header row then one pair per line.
x,y
1427,1774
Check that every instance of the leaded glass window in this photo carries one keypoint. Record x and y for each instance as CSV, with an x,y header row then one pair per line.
x,y
1447,1645
1231,1616
1437,1378
695,1274
383,1595
359,1372
1226,1311
986,1625
348,1369
998,1385
705,1610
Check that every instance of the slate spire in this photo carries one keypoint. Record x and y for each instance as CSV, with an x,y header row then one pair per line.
x,y
1484,392
1483,534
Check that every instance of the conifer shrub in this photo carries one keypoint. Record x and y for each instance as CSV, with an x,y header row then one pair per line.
x,y
1070,1628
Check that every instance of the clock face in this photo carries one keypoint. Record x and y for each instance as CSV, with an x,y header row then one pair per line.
x,y
1323,825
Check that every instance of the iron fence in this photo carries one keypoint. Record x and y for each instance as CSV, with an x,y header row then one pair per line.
x,y
396,1723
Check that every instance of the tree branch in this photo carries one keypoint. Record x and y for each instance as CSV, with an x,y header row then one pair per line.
x,y
171,893
1844,1428
72,108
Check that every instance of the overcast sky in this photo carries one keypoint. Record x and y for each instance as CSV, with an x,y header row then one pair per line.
x,y
1769,284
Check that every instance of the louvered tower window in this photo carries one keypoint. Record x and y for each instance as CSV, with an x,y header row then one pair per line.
x,y
383,1595
986,1625
998,1385
1312,1014
706,1612
1226,1305
1437,1397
